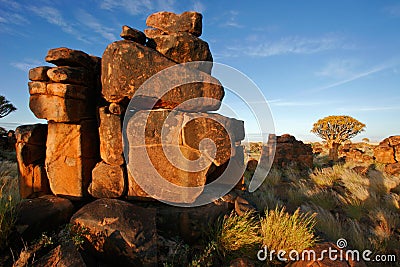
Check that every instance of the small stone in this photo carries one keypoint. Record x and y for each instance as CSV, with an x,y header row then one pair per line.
x,y
107,181
243,206
116,109
39,74
131,34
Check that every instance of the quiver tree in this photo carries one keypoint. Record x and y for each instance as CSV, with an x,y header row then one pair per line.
x,y
5,107
335,130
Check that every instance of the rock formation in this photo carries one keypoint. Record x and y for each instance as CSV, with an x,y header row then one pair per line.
x,y
388,152
85,99
291,152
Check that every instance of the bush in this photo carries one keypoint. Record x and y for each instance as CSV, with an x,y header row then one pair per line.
x,y
238,236
283,231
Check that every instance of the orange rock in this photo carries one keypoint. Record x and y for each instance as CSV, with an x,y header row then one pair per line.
x,y
126,65
183,47
39,74
110,133
71,154
107,181
169,22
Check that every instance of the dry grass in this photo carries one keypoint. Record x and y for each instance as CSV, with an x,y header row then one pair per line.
x,y
283,231
9,197
238,236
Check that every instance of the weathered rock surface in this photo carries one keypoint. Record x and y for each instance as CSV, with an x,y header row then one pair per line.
x,y
243,206
126,65
31,154
64,56
107,181
110,132
42,214
39,74
59,109
183,47
131,34
64,255
169,22
189,223
119,232
59,89
393,169
187,129
388,151
291,152
69,75
72,151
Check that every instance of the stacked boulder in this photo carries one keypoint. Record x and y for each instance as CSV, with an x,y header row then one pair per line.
x,y
290,152
85,100
129,63
388,152
66,96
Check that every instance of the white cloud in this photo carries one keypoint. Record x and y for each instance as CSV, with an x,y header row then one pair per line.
x,y
288,45
199,7
92,23
369,109
54,16
232,20
133,7
338,68
26,65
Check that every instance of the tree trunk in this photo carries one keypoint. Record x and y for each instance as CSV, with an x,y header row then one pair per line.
x,y
334,151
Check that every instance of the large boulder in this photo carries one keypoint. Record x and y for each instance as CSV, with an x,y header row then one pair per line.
x,y
72,151
291,152
388,150
31,153
183,47
173,146
126,65
169,22
42,214
119,232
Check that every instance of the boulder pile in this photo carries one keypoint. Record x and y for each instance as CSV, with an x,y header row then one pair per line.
x,y
85,99
388,152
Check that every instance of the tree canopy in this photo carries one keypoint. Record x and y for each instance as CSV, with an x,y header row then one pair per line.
x,y
337,129
5,107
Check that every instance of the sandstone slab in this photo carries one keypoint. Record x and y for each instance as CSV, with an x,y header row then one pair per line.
x,y
59,109
70,75
39,73
110,132
64,56
121,233
71,154
131,34
384,154
169,22
126,65
59,89
107,181
183,47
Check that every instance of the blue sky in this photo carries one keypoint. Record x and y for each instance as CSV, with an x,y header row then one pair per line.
x,y
311,58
